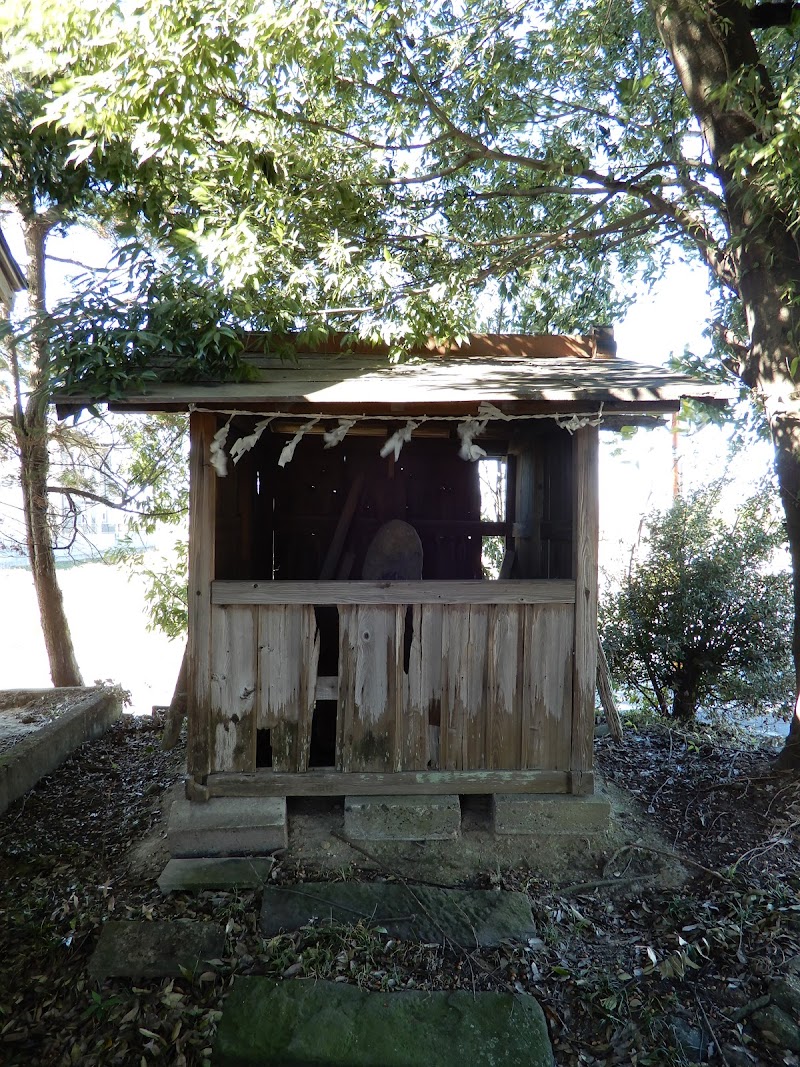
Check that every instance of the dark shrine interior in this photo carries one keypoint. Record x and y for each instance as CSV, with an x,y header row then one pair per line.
x,y
315,518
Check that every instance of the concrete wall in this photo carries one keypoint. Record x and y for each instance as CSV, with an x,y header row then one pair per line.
x,y
22,766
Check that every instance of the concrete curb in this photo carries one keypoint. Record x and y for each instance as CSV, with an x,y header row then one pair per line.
x,y
40,753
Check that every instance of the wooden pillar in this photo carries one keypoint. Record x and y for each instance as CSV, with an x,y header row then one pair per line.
x,y
585,537
202,510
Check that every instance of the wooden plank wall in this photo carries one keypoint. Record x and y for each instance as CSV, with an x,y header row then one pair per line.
x,y
477,687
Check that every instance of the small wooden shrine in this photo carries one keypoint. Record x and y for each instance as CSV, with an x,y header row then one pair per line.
x,y
310,672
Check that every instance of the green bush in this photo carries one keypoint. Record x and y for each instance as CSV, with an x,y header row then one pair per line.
x,y
704,616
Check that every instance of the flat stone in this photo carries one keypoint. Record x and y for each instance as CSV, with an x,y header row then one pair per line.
x,y
778,1027
414,913
227,826
402,818
312,1023
530,813
229,872
785,992
134,949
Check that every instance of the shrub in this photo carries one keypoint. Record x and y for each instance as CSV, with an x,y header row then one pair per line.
x,y
704,615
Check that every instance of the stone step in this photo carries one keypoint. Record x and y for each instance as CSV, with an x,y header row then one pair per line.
x,y
313,1023
227,872
162,949
464,917
227,826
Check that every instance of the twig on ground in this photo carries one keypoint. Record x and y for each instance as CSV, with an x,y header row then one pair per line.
x,y
379,863
714,1037
685,860
600,883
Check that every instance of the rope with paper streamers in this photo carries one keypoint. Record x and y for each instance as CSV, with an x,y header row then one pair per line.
x,y
468,429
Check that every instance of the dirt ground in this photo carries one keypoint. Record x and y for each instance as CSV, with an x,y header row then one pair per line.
x,y
655,942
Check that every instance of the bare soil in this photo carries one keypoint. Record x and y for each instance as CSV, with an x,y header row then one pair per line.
x,y
654,941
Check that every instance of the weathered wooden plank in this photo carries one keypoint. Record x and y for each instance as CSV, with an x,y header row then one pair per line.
x,y
547,687
202,507
288,655
436,382
463,729
334,783
358,592
367,714
397,684
505,666
233,688
422,697
585,542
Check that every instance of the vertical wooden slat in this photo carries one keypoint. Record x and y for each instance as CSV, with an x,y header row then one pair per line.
x,y
463,730
585,540
476,733
202,506
288,658
398,681
423,690
367,688
547,687
348,620
233,688
505,670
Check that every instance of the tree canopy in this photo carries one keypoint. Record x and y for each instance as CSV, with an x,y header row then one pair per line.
x,y
392,170
330,156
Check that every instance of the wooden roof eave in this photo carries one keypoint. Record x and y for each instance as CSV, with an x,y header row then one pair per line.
x,y
435,387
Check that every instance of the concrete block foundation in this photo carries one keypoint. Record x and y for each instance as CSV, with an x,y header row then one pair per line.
x,y
551,814
402,818
227,826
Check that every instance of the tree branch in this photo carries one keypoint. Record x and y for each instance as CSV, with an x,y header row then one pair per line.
x,y
117,505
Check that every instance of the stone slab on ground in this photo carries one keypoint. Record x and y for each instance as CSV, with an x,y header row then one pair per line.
x,y
402,818
227,826
91,710
227,872
416,913
132,949
528,813
312,1023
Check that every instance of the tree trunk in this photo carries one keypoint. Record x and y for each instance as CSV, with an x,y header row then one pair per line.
x,y
30,427
684,703
710,44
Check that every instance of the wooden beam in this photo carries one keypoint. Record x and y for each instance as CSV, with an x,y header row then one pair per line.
x,y
533,591
336,545
202,510
324,782
586,534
